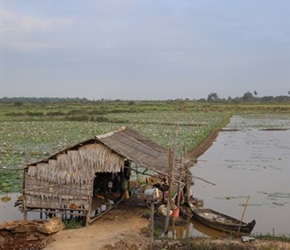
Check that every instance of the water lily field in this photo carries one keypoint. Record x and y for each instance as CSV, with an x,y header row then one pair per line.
x,y
35,131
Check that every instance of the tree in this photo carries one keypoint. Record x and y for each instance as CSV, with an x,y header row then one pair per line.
x,y
18,104
248,97
212,97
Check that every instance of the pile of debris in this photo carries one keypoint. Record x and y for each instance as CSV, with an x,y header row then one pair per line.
x,y
32,235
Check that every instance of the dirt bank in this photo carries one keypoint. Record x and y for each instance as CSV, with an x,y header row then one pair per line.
x,y
204,145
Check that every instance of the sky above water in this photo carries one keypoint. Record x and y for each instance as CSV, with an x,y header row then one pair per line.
x,y
144,49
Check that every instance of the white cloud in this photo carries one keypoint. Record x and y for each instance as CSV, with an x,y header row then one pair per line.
x,y
15,21
24,32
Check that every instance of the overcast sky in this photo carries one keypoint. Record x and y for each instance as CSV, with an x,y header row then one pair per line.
x,y
144,49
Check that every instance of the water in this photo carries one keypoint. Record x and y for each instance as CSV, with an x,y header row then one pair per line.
x,y
9,212
249,162
7,209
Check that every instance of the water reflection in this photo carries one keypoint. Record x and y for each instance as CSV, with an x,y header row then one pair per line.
x,y
9,212
7,209
193,229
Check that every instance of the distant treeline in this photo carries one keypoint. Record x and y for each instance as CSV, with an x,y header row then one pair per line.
x,y
43,99
212,97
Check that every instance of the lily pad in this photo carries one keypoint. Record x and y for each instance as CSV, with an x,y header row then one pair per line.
x,y
5,198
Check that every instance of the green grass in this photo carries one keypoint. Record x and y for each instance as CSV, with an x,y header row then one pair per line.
x,y
282,237
73,223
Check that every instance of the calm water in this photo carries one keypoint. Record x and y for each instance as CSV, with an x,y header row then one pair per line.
x,y
9,212
250,162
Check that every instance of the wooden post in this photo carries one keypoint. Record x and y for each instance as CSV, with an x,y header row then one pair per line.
x,y
24,196
187,175
179,185
88,213
245,207
171,163
178,193
137,177
151,226
122,183
168,196
188,186
24,213
88,217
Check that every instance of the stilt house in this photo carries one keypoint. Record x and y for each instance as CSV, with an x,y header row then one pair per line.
x,y
91,176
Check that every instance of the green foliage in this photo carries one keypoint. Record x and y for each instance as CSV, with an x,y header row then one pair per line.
x,y
34,113
18,104
74,223
10,180
282,237
248,97
157,232
55,113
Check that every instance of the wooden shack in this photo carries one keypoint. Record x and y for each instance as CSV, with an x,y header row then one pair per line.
x,y
91,176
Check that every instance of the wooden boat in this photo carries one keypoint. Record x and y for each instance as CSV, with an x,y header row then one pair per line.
x,y
222,222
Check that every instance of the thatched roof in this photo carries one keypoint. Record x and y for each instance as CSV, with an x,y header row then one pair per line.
x,y
104,153
137,148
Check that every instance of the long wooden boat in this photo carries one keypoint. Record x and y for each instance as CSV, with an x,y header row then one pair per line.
x,y
222,222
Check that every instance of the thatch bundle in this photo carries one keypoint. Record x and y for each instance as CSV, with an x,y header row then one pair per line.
x,y
77,166
56,202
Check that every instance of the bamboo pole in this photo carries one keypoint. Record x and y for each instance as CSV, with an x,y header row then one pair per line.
x,y
151,226
25,211
173,207
179,191
188,182
171,163
169,193
245,207
188,188
162,174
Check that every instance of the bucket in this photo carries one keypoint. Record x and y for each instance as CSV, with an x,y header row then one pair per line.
x,y
176,213
126,194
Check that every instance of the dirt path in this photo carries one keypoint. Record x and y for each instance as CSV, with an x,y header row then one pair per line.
x,y
122,224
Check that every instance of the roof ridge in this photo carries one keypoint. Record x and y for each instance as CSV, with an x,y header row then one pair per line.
x,y
111,133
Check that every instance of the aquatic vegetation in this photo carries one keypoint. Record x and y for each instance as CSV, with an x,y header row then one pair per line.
x,y
30,139
279,195
232,197
5,198
10,180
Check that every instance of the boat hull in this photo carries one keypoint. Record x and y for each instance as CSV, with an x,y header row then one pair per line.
x,y
222,222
